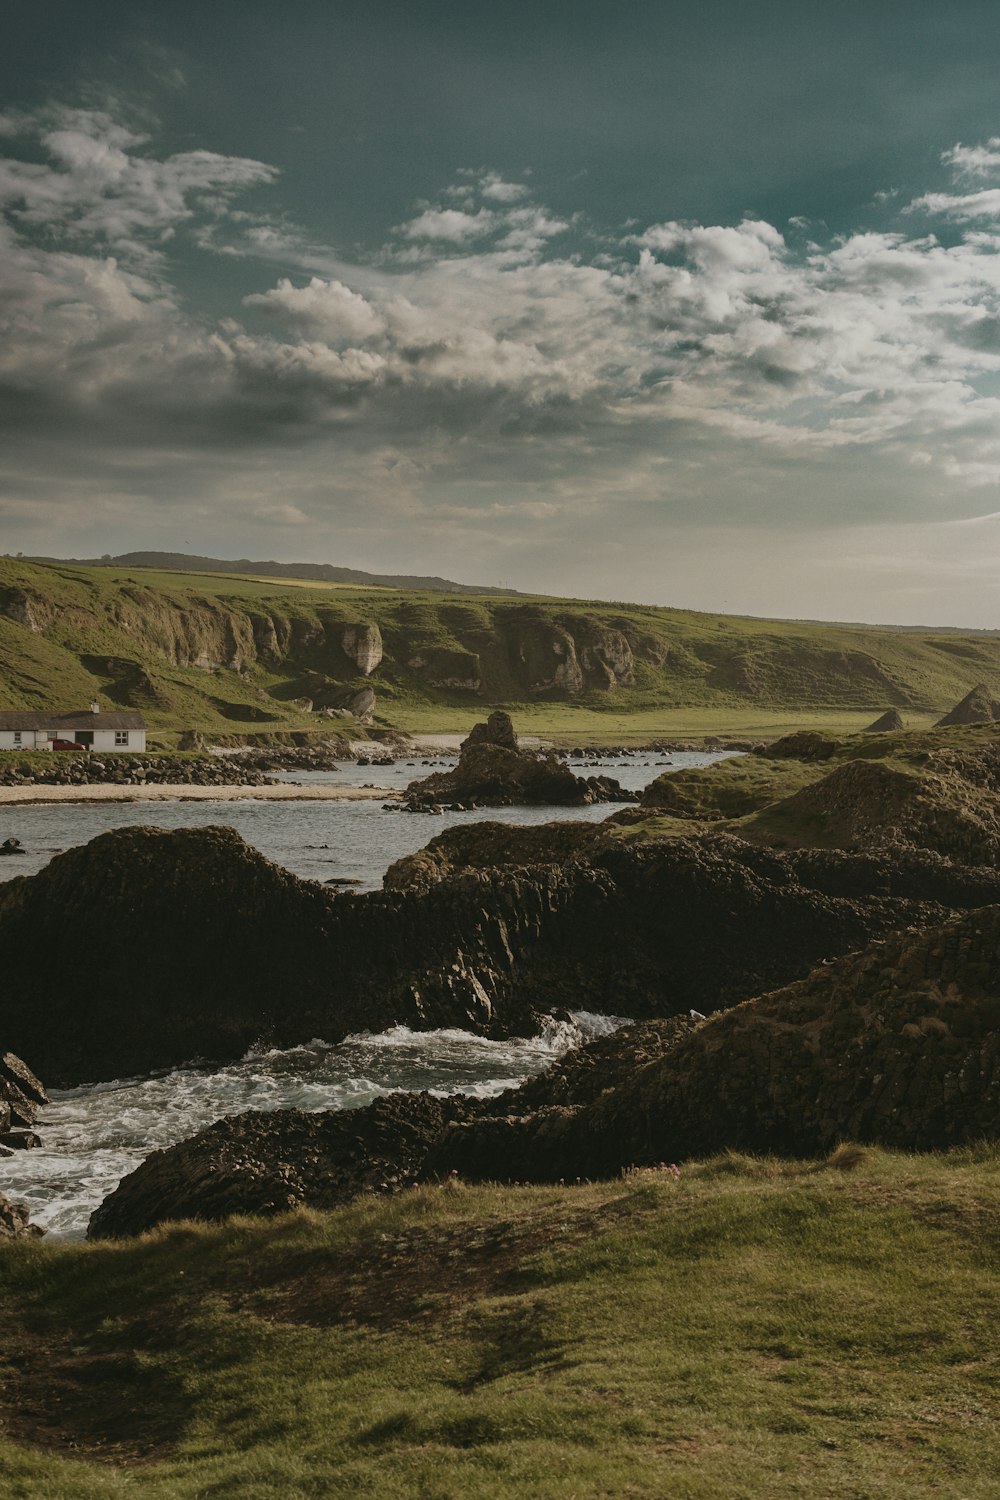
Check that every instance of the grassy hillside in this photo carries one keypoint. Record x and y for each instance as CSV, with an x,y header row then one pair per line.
x,y
753,1329
238,655
187,562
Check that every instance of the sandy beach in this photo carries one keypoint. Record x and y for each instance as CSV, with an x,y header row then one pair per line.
x,y
181,792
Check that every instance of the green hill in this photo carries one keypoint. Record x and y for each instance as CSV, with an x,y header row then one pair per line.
x,y
227,653
187,562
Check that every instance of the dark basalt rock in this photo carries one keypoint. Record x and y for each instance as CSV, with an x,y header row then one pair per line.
x,y
898,1045
497,730
493,772
21,1093
269,1162
163,946
128,768
206,948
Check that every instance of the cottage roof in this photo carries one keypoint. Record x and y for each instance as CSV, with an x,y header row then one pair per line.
x,y
65,724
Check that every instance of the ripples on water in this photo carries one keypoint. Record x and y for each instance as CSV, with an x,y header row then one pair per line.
x,y
355,841
93,1136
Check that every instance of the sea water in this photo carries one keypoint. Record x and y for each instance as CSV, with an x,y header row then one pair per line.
x,y
93,1136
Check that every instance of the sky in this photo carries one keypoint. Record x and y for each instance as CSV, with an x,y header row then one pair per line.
x,y
692,304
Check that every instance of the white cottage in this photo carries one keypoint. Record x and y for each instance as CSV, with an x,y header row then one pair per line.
x,y
28,729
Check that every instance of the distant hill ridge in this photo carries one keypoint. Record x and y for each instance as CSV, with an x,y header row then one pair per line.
x,y
186,562
227,653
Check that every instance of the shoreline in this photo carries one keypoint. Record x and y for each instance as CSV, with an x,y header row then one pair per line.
x,y
191,792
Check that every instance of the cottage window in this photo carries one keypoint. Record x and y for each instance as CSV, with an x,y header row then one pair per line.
x,y
121,737
17,736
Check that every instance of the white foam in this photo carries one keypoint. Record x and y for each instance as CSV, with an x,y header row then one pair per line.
x,y
93,1136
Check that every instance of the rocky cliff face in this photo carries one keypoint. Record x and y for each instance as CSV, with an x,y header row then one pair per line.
x,y
363,644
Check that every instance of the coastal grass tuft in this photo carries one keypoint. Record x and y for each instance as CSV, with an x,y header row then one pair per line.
x,y
752,1328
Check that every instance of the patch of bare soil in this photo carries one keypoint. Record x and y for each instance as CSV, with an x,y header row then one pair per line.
x,y
91,1402
419,1275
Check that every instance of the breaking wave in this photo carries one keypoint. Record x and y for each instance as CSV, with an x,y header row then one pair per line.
x,y
93,1136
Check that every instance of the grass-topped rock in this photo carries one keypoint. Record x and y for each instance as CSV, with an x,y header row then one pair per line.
x,y
937,790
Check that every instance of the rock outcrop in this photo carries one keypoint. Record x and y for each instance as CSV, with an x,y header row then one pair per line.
x,y
888,723
15,1223
21,1095
95,769
977,707
493,771
897,1045
363,644
269,1162
205,948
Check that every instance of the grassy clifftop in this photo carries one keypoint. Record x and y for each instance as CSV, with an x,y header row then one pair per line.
x,y
236,654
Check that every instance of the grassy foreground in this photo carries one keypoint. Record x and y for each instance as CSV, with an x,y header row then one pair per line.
x,y
755,1328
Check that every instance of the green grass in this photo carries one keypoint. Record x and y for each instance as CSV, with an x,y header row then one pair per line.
x,y
757,1329
228,654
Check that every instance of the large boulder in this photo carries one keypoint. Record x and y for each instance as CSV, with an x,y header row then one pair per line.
x,y
268,1162
497,730
15,1223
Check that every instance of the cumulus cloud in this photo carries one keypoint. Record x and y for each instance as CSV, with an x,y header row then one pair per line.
x,y
481,349
975,161
101,184
453,225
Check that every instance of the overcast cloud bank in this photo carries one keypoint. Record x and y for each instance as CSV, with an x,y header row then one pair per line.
x,y
495,378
